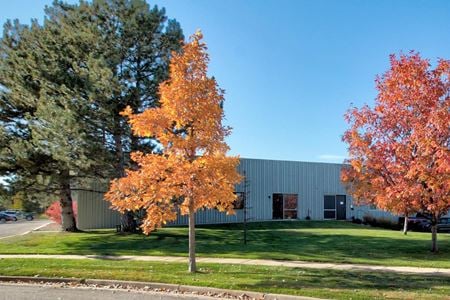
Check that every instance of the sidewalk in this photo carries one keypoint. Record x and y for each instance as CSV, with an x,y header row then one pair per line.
x,y
259,262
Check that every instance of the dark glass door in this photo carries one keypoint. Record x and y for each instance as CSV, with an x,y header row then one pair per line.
x,y
329,207
341,205
277,206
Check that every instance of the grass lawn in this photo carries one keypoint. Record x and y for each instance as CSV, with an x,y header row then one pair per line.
x,y
297,240
331,284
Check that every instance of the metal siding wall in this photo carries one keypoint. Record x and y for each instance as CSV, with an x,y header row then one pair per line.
x,y
311,181
93,210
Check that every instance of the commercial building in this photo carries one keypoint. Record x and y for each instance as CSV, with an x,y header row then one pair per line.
x,y
276,190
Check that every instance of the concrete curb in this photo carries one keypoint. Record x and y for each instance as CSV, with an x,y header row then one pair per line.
x,y
42,226
212,292
34,229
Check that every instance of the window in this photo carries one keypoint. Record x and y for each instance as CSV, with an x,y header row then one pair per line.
x,y
290,206
372,207
329,202
329,214
284,206
239,202
329,207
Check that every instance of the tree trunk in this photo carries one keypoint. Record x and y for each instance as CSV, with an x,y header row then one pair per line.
x,y
405,226
68,222
118,145
192,263
434,246
128,223
127,219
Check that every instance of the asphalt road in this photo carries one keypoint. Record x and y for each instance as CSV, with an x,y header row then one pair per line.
x,y
36,292
20,227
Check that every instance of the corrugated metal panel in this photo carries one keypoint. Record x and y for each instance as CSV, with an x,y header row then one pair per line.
x,y
93,210
309,180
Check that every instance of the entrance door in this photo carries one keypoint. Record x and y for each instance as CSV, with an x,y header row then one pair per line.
x,y
341,207
277,206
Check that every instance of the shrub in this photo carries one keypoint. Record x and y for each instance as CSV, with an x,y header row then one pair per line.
x,y
381,222
356,220
54,211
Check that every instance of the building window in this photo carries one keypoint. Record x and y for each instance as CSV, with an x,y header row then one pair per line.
x,y
284,206
290,206
329,207
239,202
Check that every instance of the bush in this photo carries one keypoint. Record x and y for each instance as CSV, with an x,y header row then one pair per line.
x,y
356,220
381,222
53,212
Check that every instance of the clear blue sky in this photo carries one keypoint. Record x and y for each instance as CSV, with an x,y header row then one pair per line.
x,y
291,68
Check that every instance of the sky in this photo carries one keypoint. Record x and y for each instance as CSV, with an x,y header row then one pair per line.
x,y
292,68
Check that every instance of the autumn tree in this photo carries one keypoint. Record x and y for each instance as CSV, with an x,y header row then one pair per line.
x,y
191,171
400,149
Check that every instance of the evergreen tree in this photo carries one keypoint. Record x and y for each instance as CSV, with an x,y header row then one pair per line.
x,y
63,85
137,41
50,77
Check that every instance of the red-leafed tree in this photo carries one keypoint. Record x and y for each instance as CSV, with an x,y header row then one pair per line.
x,y
399,150
53,212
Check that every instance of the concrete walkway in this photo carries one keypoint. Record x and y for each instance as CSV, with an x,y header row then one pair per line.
x,y
243,261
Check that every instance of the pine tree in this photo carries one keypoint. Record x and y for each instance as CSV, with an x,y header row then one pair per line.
x,y
137,41
50,75
63,85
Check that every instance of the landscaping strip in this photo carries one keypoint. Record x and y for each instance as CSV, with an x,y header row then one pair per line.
x,y
256,262
321,241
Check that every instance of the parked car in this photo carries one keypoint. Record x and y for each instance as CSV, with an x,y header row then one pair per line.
x,y
422,222
5,217
29,217
10,213
17,214
442,226
418,223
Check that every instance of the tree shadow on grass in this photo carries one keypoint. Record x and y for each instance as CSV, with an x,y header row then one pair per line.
x,y
350,280
281,241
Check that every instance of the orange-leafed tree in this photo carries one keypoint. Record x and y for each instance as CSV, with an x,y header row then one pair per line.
x,y
191,170
399,150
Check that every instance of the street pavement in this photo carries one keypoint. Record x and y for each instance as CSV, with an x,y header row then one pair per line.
x,y
38,292
20,227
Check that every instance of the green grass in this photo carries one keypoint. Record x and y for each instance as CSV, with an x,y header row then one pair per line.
x,y
331,284
340,242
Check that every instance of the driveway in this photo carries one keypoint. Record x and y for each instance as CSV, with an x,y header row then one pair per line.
x,y
20,227
30,292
